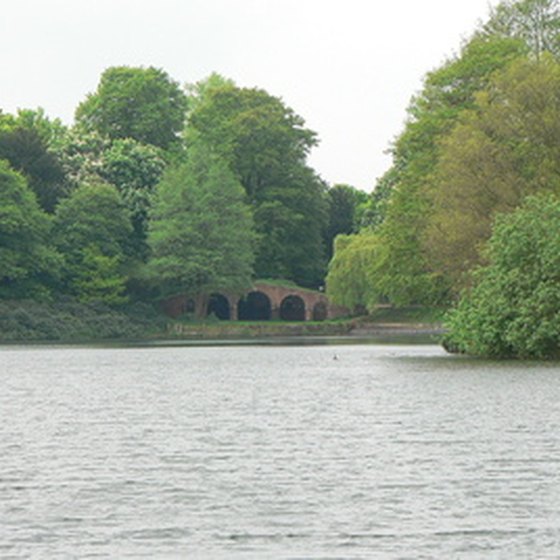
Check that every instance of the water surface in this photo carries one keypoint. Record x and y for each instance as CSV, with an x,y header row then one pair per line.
x,y
283,452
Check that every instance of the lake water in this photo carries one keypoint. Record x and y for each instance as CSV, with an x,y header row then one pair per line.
x,y
346,451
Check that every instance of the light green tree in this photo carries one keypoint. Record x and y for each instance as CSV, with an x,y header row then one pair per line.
x,y
351,281
536,22
201,234
513,310
506,148
402,215
140,103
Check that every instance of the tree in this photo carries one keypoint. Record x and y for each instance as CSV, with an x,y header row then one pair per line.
x,y
26,142
506,148
135,169
513,310
351,279
536,22
92,230
343,204
27,263
140,103
201,233
266,144
406,274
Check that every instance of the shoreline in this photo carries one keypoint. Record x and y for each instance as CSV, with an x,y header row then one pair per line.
x,y
245,333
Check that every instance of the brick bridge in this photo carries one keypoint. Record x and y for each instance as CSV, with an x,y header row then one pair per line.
x,y
264,302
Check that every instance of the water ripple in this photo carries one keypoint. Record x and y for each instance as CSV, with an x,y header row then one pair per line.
x,y
276,452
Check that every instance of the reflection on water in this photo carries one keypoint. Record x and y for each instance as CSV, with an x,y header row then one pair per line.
x,y
318,451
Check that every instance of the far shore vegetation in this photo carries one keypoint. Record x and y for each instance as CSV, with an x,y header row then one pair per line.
x,y
157,189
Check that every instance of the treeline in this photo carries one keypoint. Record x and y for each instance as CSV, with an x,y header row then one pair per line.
x,y
158,189
481,137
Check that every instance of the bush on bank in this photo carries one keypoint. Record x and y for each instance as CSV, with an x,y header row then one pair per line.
x,y
68,320
513,308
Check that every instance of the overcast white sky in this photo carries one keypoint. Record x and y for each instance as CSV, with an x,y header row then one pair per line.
x,y
349,67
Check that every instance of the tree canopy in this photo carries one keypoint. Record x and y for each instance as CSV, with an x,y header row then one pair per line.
x,y
140,103
505,148
266,144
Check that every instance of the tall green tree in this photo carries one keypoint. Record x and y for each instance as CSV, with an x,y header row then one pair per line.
x,y
266,144
201,233
401,208
28,263
140,103
504,149
407,273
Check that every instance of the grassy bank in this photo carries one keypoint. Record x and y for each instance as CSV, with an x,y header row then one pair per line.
x,y
260,329
70,321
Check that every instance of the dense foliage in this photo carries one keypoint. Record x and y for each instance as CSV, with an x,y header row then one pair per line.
x,y
481,136
201,233
27,261
159,189
513,309
144,104
266,144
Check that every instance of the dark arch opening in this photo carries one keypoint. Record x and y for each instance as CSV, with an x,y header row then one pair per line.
x,y
320,311
188,306
218,305
255,306
292,308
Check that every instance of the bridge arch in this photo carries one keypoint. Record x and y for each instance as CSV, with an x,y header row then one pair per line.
x,y
292,308
320,311
255,306
218,305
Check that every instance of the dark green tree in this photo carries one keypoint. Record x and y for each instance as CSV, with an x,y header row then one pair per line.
x,y
343,203
266,144
140,103
135,169
24,142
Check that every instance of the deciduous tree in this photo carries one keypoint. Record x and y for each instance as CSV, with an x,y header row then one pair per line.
x,y
27,262
503,150
513,310
140,103
92,230
266,144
